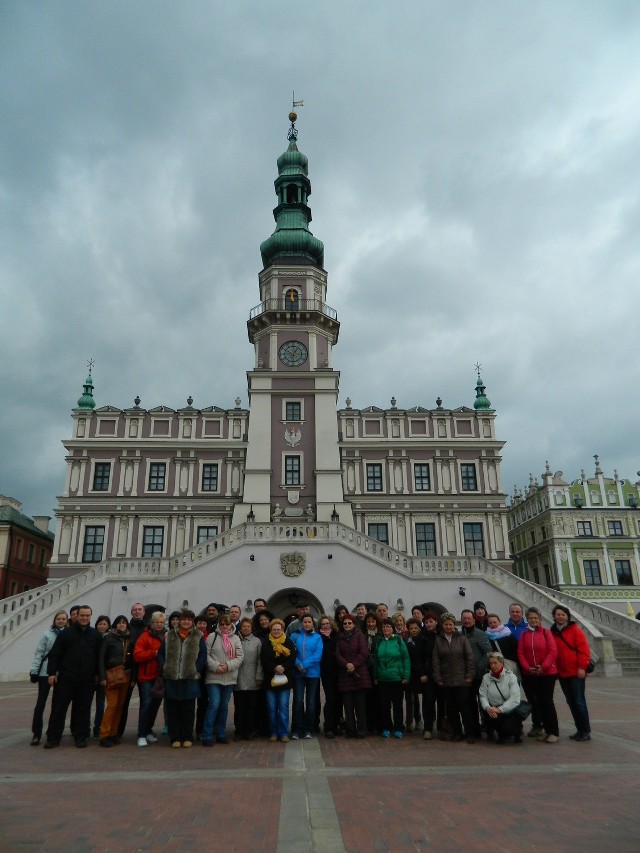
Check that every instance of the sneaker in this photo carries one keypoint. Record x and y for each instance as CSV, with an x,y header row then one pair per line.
x,y
551,739
35,741
176,744
151,738
534,731
386,733
574,736
285,739
187,744
542,736
294,737
397,734
308,736
583,736
142,741
273,738
427,734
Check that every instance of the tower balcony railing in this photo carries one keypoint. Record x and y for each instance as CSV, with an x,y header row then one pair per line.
x,y
289,307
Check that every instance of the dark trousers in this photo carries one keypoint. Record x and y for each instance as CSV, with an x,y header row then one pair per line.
x,y
149,707
372,700
474,707
304,712
78,694
539,691
574,692
245,703
355,714
457,703
202,704
332,704
536,719
38,712
181,715
505,725
390,694
97,720
433,705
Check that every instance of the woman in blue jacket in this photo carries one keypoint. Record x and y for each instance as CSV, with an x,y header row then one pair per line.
x,y
307,680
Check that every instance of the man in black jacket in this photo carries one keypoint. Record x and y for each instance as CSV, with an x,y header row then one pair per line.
x,y
72,667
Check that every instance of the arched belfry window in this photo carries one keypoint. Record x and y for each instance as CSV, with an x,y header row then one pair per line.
x,y
292,194
291,299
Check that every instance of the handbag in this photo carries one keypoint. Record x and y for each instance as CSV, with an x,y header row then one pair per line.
x,y
523,710
157,688
117,676
279,680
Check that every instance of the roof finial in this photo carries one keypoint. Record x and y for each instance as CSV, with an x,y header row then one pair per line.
x,y
86,400
293,115
482,402
90,364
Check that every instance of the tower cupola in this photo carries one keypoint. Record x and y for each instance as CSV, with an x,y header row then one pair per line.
x,y
292,242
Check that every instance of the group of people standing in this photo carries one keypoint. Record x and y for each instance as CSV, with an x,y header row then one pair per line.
x,y
378,674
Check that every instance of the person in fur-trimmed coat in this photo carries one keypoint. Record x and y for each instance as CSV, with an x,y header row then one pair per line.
x,y
182,657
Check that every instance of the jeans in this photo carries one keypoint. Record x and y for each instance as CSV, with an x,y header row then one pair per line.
x,y
149,706
304,715
574,692
217,710
278,708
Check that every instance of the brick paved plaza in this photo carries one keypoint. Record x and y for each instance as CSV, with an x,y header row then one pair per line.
x,y
322,795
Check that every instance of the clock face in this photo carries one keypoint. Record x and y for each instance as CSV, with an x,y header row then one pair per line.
x,y
293,353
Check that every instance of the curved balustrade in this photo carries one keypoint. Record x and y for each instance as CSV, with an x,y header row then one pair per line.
x,y
15,612
288,307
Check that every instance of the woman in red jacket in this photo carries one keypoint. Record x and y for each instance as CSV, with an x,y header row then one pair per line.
x,y
573,659
537,656
145,654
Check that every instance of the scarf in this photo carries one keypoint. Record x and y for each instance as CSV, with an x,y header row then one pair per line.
x,y
183,634
278,645
229,649
498,633
326,631
497,675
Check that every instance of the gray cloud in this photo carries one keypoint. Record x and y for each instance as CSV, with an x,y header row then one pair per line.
x,y
474,182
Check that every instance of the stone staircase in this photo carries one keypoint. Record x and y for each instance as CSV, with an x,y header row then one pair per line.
x,y
628,656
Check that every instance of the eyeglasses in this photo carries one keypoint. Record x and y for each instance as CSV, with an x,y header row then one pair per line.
x,y
347,622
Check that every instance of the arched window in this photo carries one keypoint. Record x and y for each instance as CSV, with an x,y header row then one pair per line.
x,y
291,299
292,194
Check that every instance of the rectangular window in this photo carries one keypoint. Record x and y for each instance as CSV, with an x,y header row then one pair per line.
x,y
292,411
292,470
623,572
152,541
205,533
42,558
584,528
18,548
157,473
421,478
426,540
473,541
468,477
592,572
615,528
93,544
374,477
379,532
210,478
31,554
101,475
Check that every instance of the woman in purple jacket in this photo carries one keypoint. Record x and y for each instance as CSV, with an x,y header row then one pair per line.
x,y
352,654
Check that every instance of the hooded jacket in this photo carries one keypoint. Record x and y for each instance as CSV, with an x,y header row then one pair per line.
x,y
572,647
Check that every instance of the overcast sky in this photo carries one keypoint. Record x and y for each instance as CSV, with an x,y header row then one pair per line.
x,y
475,172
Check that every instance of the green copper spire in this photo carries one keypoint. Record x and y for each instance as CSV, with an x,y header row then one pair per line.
x,y
292,242
86,401
482,402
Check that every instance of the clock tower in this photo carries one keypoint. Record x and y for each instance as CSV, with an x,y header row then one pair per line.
x,y
293,461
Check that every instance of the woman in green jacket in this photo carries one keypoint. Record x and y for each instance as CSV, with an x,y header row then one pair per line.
x,y
391,671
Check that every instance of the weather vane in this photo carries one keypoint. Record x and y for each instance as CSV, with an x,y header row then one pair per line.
x,y
293,115
477,367
90,364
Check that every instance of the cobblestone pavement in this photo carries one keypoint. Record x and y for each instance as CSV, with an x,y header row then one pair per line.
x,y
347,796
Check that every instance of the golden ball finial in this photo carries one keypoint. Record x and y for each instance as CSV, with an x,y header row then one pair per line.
x,y
293,116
